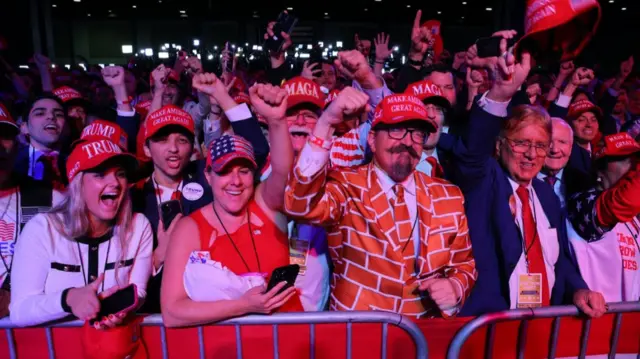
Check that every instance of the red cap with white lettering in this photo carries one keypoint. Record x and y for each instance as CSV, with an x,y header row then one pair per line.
x,y
6,120
91,154
142,108
167,116
618,145
428,92
395,109
67,94
579,107
104,130
330,97
303,91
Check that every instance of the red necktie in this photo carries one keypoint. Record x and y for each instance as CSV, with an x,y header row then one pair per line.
x,y
436,169
51,171
533,248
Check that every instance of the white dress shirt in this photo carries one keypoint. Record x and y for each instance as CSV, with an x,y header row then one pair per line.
x,y
558,187
46,263
548,240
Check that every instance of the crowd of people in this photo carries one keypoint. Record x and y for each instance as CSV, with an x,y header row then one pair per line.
x,y
456,185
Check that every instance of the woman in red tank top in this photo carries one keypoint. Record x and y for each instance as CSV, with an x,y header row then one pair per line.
x,y
243,228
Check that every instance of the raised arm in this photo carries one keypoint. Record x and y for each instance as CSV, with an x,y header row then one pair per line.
x,y
44,68
271,103
311,195
159,76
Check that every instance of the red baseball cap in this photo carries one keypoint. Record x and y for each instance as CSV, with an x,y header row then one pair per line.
x,y
143,108
330,97
91,154
618,145
302,90
579,107
228,148
104,130
428,92
6,120
400,108
166,116
66,94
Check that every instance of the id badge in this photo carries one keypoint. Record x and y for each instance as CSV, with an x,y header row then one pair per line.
x,y
530,290
298,252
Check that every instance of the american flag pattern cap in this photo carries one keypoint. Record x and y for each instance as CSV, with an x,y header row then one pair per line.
x,y
228,148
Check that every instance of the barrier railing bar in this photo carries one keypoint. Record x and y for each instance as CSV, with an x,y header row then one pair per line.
x,y
614,335
519,314
488,345
312,341
383,350
553,341
522,338
238,342
348,340
47,332
201,341
584,337
276,349
163,342
12,343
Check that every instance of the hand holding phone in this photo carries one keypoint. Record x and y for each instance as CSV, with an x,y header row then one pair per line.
x,y
169,210
114,307
488,46
286,274
277,37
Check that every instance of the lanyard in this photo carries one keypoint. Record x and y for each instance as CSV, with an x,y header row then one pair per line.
x,y
84,274
526,249
255,251
15,233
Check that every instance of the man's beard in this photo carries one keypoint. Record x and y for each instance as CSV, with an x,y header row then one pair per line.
x,y
400,170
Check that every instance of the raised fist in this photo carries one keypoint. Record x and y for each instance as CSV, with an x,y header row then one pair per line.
x,y
566,68
113,75
353,65
269,102
159,75
209,84
348,103
474,78
194,64
582,76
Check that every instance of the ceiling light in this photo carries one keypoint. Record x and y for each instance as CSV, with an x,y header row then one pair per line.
x,y
127,49
439,12
378,0
109,11
54,5
365,9
408,6
289,8
134,6
77,0
196,42
88,15
462,18
183,11
464,3
488,9
624,9
148,52
163,55
611,1
184,15
326,14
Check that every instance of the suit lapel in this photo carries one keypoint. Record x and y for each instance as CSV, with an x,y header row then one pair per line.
x,y
424,216
382,209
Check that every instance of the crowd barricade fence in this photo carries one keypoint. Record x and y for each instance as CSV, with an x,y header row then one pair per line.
x,y
550,332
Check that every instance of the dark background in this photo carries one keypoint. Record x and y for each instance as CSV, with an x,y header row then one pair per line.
x,y
97,30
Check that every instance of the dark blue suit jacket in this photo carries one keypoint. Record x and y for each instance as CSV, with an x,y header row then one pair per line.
x,y
495,238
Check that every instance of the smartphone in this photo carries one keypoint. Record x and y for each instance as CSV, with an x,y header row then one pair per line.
x,y
284,23
227,65
488,46
169,210
315,56
284,274
124,300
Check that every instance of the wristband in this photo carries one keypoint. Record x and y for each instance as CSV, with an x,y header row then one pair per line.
x,y
128,102
322,143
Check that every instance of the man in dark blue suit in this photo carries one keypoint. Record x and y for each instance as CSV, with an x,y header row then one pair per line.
x,y
517,228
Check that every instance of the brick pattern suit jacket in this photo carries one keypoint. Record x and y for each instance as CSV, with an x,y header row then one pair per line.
x,y
372,271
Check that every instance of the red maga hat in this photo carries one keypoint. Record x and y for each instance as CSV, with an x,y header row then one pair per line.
x,y
66,94
618,145
301,90
6,120
428,92
104,130
579,107
166,116
400,108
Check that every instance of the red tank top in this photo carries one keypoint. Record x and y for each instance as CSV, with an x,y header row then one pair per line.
x,y
271,247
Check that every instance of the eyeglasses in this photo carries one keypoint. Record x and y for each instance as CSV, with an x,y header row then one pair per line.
x,y
523,146
417,135
437,109
308,118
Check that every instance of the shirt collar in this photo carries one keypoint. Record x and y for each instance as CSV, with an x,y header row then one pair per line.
x,y
542,176
387,183
515,185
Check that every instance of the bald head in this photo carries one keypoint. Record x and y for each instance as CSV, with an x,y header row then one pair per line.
x,y
561,144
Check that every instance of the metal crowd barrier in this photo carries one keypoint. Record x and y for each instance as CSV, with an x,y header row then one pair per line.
x,y
533,313
275,320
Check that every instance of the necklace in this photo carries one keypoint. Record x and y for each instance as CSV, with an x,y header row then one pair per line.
x,y
253,242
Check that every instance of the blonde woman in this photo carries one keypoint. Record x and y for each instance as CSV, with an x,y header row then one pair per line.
x,y
87,247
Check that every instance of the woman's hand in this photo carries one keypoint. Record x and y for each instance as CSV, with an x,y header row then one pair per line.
x,y
259,302
84,302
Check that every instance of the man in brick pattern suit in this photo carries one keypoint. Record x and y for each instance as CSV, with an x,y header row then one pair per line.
x,y
398,238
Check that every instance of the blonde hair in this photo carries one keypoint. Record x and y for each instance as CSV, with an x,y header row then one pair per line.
x,y
71,218
525,115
